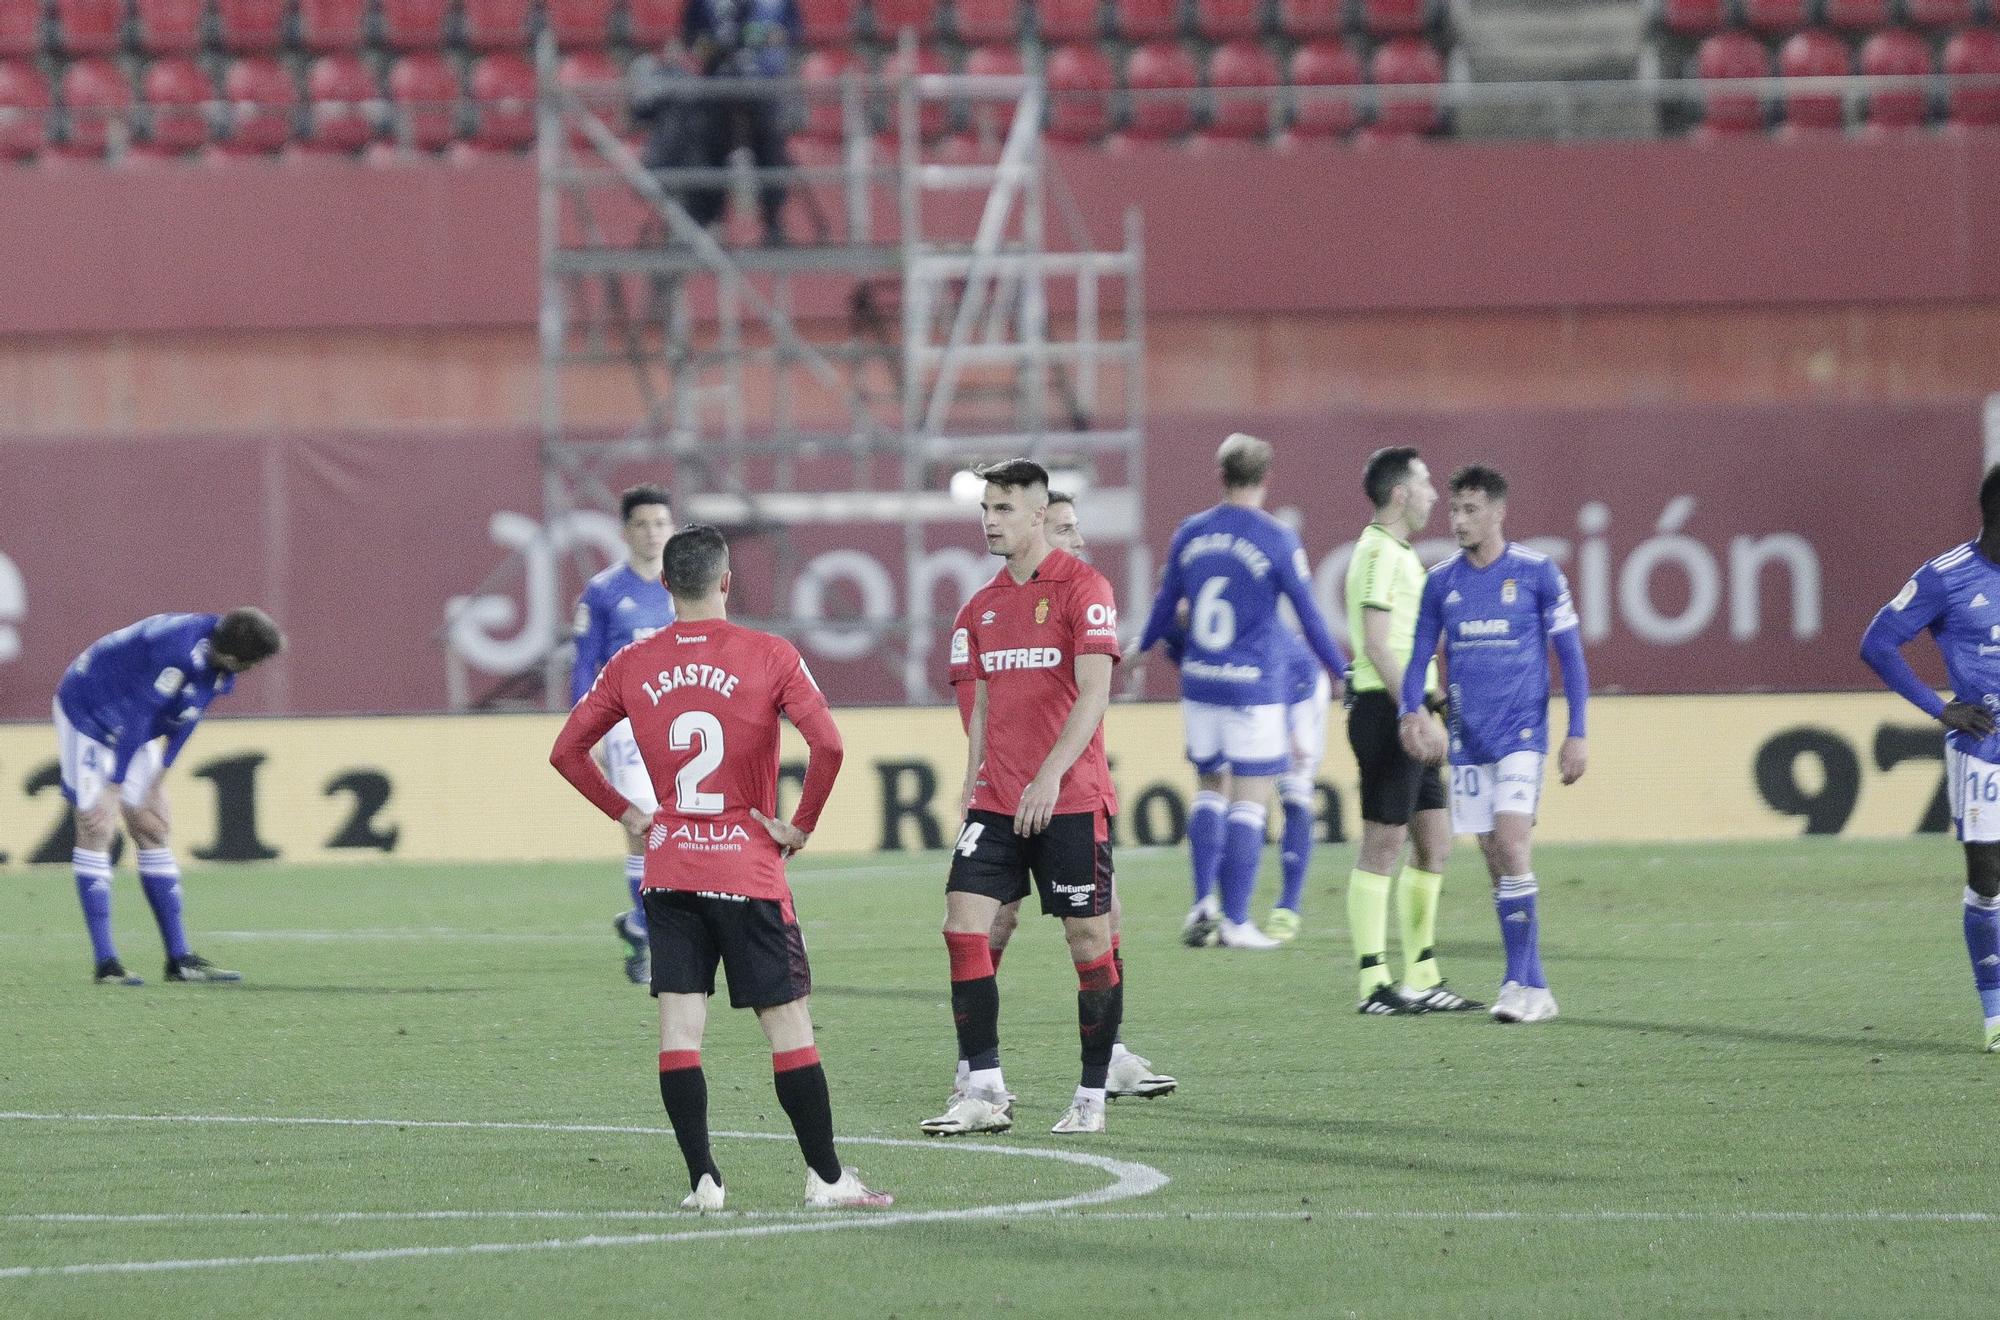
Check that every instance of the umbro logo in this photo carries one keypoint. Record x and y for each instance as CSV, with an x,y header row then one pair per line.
x,y
628,604
1990,960
1452,598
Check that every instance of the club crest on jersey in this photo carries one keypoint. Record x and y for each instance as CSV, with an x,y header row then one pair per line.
x,y
1508,591
1042,610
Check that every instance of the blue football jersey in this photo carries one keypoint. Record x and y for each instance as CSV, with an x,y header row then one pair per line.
x,y
618,607
1957,598
1302,668
151,680
1232,565
1496,623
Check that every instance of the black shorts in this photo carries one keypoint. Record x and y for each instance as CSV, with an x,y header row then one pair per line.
x,y
756,940
1393,786
1070,862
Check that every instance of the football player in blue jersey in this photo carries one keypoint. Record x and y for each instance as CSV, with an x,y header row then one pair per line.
x,y
1956,598
627,603
1499,608
123,711
1308,695
1230,566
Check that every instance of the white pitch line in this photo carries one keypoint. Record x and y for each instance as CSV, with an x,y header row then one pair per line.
x,y
1131,1179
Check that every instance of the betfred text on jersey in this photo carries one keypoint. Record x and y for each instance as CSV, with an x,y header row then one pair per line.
x,y
712,677
1021,657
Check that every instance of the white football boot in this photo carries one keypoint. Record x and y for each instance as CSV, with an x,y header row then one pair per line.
x,y
1082,1116
850,1193
972,1111
707,1195
1132,1076
1243,935
1510,1003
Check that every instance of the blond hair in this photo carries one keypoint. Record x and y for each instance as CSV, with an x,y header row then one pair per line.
x,y
1245,461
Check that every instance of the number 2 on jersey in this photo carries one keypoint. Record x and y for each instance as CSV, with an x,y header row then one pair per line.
x,y
689,727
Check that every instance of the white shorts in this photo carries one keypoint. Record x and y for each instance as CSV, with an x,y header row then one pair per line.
x,y
626,769
1481,792
1972,786
1248,740
1305,729
87,763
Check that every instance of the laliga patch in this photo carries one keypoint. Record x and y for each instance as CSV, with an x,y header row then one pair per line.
x,y
1905,596
961,647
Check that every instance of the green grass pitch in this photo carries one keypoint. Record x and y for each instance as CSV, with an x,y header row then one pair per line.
x,y
1765,1096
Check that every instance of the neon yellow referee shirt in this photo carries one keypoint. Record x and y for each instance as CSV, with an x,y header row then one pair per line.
x,y
1385,574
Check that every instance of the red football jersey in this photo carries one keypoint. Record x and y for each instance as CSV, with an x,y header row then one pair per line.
x,y
962,673
704,699
1023,639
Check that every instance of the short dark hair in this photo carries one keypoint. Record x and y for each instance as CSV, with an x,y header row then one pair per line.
x,y
694,561
1386,470
1479,477
247,635
1245,461
1014,474
640,496
1989,497
1061,497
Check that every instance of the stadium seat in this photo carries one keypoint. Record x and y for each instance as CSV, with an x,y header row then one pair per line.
x,y
1939,14
1146,20
496,24
251,27
414,24
1732,55
89,27
1248,65
1388,18
986,21
263,106
1161,77
990,119
593,71
933,113
338,89
503,103
1694,18
1080,83
1065,20
24,110
425,95
650,23
1324,64
892,17
1406,61
1225,20
168,27
1777,16
20,30
1895,51
821,73
332,25
96,99
175,94
1305,19
827,22
1813,54
1974,52
1858,15
579,24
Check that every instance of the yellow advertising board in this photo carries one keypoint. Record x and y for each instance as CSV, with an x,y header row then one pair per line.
x,y
479,787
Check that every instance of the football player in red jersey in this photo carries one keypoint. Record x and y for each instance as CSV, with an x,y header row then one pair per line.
x,y
1130,1074
704,697
1042,638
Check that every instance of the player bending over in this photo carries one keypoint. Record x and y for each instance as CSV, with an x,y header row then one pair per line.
x,y
1956,598
1499,607
1042,638
704,697
123,711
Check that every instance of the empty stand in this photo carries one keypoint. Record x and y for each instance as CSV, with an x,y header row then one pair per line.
x,y
933,114
987,21
425,94
1305,19
89,27
1974,52
1858,15
95,99
1937,14
1406,61
1324,64
1080,82
339,118
1161,76
580,24
1813,54
24,105
593,72
20,29
1226,20
1385,18
1777,16
822,71
989,120
262,106
175,93
168,27
1146,20
331,25
1732,55
1065,20
251,27
503,102
1895,51
497,24
414,24
1241,64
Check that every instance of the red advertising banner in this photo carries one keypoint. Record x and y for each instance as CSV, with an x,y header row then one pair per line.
x,y
1711,549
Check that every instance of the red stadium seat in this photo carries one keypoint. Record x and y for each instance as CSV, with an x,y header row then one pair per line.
x,y
176,93
980,21
1222,20
497,24
1777,15
168,27
251,26
933,113
1080,83
1939,13
1324,64
96,100
821,72
1406,61
20,30
1161,76
1146,20
579,24
1311,18
1242,64
992,118
1974,52
1858,15
1896,51
827,22
1387,18
24,111
651,23
331,25
1065,20
89,27
263,105
338,88
425,94
597,75
1694,18
414,24
1732,55
893,16
1813,54
503,103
